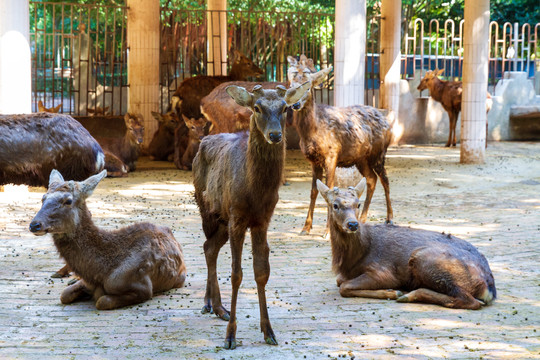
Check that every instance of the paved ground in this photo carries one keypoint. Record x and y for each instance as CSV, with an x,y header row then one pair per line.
x,y
494,206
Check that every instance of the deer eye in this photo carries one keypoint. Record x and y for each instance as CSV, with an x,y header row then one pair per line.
x,y
358,205
257,109
68,201
336,206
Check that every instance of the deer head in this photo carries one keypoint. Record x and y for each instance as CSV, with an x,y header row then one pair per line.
x,y
268,106
343,205
304,70
197,127
244,66
134,124
168,120
62,204
98,111
428,78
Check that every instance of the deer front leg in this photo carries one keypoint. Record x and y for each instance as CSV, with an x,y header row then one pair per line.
x,y
123,289
75,292
237,232
317,173
366,287
261,269
331,164
450,127
63,272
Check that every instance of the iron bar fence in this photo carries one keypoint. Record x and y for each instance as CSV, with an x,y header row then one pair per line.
x,y
79,52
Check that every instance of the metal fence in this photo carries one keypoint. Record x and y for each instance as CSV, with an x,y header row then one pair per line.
x,y
433,44
79,52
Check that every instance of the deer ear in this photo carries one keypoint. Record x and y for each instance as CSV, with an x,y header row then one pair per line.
x,y
440,72
105,109
88,185
186,120
323,189
240,95
360,187
55,177
157,116
319,76
293,95
292,60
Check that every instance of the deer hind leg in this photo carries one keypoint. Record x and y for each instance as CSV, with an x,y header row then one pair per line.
x,y
462,301
367,287
454,139
261,269
381,171
371,179
237,232
122,290
317,173
77,291
331,164
450,128
212,298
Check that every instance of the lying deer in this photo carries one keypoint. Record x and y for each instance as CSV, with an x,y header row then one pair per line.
x,y
448,93
162,144
42,108
197,129
117,268
339,136
436,268
122,153
236,179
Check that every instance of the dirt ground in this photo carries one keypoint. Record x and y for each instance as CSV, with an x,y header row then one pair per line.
x,y
495,206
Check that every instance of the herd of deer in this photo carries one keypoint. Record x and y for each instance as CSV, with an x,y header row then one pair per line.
x,y
237,175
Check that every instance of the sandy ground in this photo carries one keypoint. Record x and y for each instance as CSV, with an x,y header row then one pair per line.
x,y
495,206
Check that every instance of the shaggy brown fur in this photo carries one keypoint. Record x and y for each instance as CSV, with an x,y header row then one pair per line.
x,y
162,145
331,136
34,144
236,179
117,268
122,153
448,93
436,268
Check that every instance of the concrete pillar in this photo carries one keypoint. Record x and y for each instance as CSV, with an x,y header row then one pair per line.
x,y
143,20
350,52
475,77
15,58
391,61
217,37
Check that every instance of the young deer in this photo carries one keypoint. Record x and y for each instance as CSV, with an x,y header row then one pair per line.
x,y
117,268
236,180
448,93
436,268
197,129
162,145
122,153
42,108
192,90
332,136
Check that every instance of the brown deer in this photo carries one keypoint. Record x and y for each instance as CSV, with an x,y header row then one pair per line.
x,y
332,136
42,108
122,153
192,90
98,111
162,144
197,129
236,180
117,268
369,260
32,145
448,93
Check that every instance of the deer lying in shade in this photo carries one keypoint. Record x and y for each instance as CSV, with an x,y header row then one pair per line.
x,y
436,268
448,93
116,268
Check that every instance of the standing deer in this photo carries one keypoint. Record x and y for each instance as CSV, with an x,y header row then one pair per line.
x,y
190,92
42,108
436,268
197,129
117,268
122,153
331,136
448,93
236,180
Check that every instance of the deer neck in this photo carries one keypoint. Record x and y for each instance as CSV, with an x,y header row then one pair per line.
x,y
236,72
264,161
436,87
348,249
305,119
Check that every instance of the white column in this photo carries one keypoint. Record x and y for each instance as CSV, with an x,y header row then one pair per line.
x,y
217,37
475,77
390,59
143,61
15,58
350,52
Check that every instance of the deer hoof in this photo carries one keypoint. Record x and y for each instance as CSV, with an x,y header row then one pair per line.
x,y
206,309
304,232
58,275
389,222
271,340
403,299
230,344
